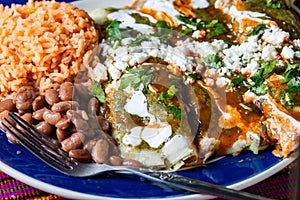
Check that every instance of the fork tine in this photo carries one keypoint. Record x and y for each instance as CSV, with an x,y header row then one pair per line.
x,y
36,146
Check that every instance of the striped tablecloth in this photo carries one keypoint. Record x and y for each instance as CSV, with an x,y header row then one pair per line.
x,y
278,186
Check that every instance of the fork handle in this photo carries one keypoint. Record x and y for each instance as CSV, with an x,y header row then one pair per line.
x,y
198,186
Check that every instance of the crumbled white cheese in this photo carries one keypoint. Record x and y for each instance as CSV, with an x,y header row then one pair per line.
x,y
297,54
133,138
287,53
274,35
200,3
297,43
137,105
269,53
254,140
176,149
156,136
99,73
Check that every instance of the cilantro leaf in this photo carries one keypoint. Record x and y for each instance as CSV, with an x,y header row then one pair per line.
x,y
134,77
294,86
113,30
236,81
259,87
256,29
192,75
175,111
97,91
268,69
273,4
290,72
218,29
190,21
214,61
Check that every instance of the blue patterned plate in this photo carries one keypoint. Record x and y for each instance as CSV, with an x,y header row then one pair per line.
x,y
236,172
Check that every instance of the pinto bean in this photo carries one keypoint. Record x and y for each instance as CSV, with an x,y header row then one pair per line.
x,y
104,124
28,118
73,142
44,128
38,115
100,152
38,103
93,106
63,123
80,155
61,134
131,162
51,96
8,105
90,145
64,106
80,124
115,160
66,91
51,117
24,98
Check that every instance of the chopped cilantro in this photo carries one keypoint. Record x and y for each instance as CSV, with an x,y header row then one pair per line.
x,y
290,72
268,69
214,61
167,95
192,75
216,27
259,86
294,86
97,91
256,29
113,30
245,106
137,76
288,99
175,110
236,81
273,4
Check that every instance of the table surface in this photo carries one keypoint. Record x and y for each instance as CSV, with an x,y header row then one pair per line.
x,y
278,186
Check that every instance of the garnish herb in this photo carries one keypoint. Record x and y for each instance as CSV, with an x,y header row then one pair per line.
x,y
256,29
290,72
268,69
245,106
236,81
213,61
134,77
294,86
273,4
216,27
97,91
192,75
113,31
175,110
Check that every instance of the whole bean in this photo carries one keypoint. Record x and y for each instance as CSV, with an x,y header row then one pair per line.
x,y
90,145
131,162
8,105
24,98
38,115
80,124
61,134
28,118
104,124
93,106
38,103
44,128
66,91
115,160
64,106
51,96
80,155
100,152
73,142
63,123
51,117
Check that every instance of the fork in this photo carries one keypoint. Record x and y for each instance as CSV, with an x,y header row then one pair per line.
x,y
46,150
